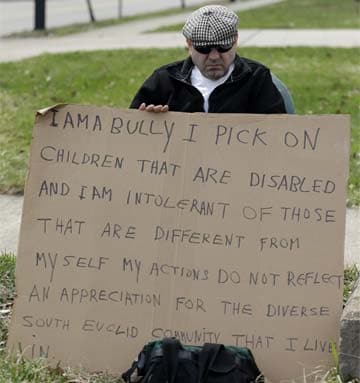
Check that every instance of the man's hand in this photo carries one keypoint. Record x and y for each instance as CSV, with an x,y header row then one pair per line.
x,y
154,108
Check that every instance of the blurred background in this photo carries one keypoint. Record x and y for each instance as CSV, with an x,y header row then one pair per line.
x,y
19,15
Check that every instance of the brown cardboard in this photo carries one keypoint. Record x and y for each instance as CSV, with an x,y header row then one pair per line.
x,y
208,227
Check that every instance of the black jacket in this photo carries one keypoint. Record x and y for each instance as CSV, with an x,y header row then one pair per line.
x,y
249,89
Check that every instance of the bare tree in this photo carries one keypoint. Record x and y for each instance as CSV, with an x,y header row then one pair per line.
x,y
183,5
91,12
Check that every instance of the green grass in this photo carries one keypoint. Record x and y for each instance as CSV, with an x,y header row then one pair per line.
x,y
7,278
297,14
351,274
322,81
7,293
15,369
304,14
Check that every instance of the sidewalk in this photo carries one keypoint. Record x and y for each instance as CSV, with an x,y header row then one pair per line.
x,y
131,35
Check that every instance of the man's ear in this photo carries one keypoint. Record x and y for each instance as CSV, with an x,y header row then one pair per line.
x,y
237,39
188,45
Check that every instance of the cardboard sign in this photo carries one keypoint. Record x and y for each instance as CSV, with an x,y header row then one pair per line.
x,y
207,227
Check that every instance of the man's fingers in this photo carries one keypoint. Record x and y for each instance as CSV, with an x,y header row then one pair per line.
x,y
158,108
150,108
154,108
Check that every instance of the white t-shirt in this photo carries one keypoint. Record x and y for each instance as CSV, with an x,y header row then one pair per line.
x,y
205,85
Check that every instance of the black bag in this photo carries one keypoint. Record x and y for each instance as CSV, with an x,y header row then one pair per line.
x,y
167,361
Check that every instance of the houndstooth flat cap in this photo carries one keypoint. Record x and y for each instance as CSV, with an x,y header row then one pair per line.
x,y
211,25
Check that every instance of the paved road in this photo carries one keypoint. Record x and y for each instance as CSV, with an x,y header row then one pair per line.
x,y
18,15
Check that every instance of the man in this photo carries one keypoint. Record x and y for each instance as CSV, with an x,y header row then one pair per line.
x,y
213,78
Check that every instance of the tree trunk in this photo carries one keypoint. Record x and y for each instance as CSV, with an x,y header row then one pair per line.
x,y
91,12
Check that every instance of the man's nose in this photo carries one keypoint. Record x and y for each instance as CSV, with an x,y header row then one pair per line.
x,y
214,54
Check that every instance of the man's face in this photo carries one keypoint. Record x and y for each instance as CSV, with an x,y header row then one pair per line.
x,y
214,64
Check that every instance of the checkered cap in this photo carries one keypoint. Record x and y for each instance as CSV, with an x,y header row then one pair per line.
x,y
211,25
